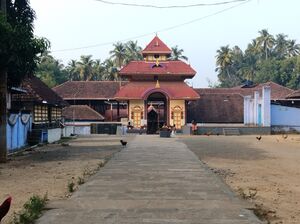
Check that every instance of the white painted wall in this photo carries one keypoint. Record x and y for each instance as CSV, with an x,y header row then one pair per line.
x,y
285,116
82,130
67,131
54,135
251,105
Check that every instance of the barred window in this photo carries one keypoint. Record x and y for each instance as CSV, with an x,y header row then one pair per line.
x,y
40,113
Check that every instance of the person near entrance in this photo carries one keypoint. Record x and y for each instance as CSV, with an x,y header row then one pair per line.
x,y
194,127
173,130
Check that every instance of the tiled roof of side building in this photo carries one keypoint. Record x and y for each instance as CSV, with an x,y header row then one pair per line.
x,y
81,113
294,95
100,90
157,46
217,108
277,91
38,91
164,68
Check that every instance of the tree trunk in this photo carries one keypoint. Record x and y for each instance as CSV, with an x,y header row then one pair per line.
x,y
3,6
3,114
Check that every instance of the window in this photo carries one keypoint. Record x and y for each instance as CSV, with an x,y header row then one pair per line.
x,y
55,113
40,113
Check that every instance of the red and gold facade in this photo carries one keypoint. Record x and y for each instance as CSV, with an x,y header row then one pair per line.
x,y
156,92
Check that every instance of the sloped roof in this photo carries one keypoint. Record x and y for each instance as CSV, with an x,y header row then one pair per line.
x,y
140,90
81,113
277,91
217,108
100,90
294,95
165,68
156,46
38,91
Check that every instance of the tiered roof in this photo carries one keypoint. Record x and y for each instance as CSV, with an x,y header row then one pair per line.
x,y
140,90
164,69
156,46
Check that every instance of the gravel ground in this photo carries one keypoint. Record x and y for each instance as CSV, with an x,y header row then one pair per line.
x,y
49,169
265,172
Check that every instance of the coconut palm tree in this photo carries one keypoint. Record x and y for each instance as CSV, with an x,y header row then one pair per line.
x,y
110,70
85,66
224,60
266,41
133,52
281,44
118,54
177,54
73,70
98,70
293,49
253,48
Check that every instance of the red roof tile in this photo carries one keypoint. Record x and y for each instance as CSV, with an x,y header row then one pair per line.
x,y
141,90
277,91
217,108
98,90
81,113
38,91
165,68
294,95
157,46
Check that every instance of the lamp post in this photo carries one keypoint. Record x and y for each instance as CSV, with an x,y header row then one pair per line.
x,y
73,112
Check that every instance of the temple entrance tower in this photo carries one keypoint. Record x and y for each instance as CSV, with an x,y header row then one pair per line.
x,y
156,92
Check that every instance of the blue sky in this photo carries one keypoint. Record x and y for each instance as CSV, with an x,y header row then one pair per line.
x,y
79,23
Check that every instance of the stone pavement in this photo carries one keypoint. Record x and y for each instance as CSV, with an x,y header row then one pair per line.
x,y
155,181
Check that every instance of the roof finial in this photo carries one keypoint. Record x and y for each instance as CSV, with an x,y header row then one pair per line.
x,y
157,84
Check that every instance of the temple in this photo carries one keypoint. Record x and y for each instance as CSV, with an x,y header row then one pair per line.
x,y
153,93
156,93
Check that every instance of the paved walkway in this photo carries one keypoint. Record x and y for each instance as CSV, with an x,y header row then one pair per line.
x,y
155,181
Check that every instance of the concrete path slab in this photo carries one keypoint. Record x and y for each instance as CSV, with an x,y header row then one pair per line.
x,y
155,181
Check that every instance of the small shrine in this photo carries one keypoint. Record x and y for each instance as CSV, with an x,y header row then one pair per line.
x,y
156,94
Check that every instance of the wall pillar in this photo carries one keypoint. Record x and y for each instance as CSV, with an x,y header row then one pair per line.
x,y
255,111
266,106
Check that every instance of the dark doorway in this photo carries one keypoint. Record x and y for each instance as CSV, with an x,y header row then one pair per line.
x,y
152,122
157,112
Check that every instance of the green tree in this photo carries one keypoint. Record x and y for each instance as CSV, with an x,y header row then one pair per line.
x,y
266,42
177,54
19,51
293,49
110,70
98,70
132,52
118,54
73,70
85,67
281,44
51,71
227,67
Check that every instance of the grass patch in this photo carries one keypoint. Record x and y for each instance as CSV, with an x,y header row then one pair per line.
x,y
71,187
32,210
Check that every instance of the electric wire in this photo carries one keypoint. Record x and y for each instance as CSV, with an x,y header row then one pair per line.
x,y
156,32
170,6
